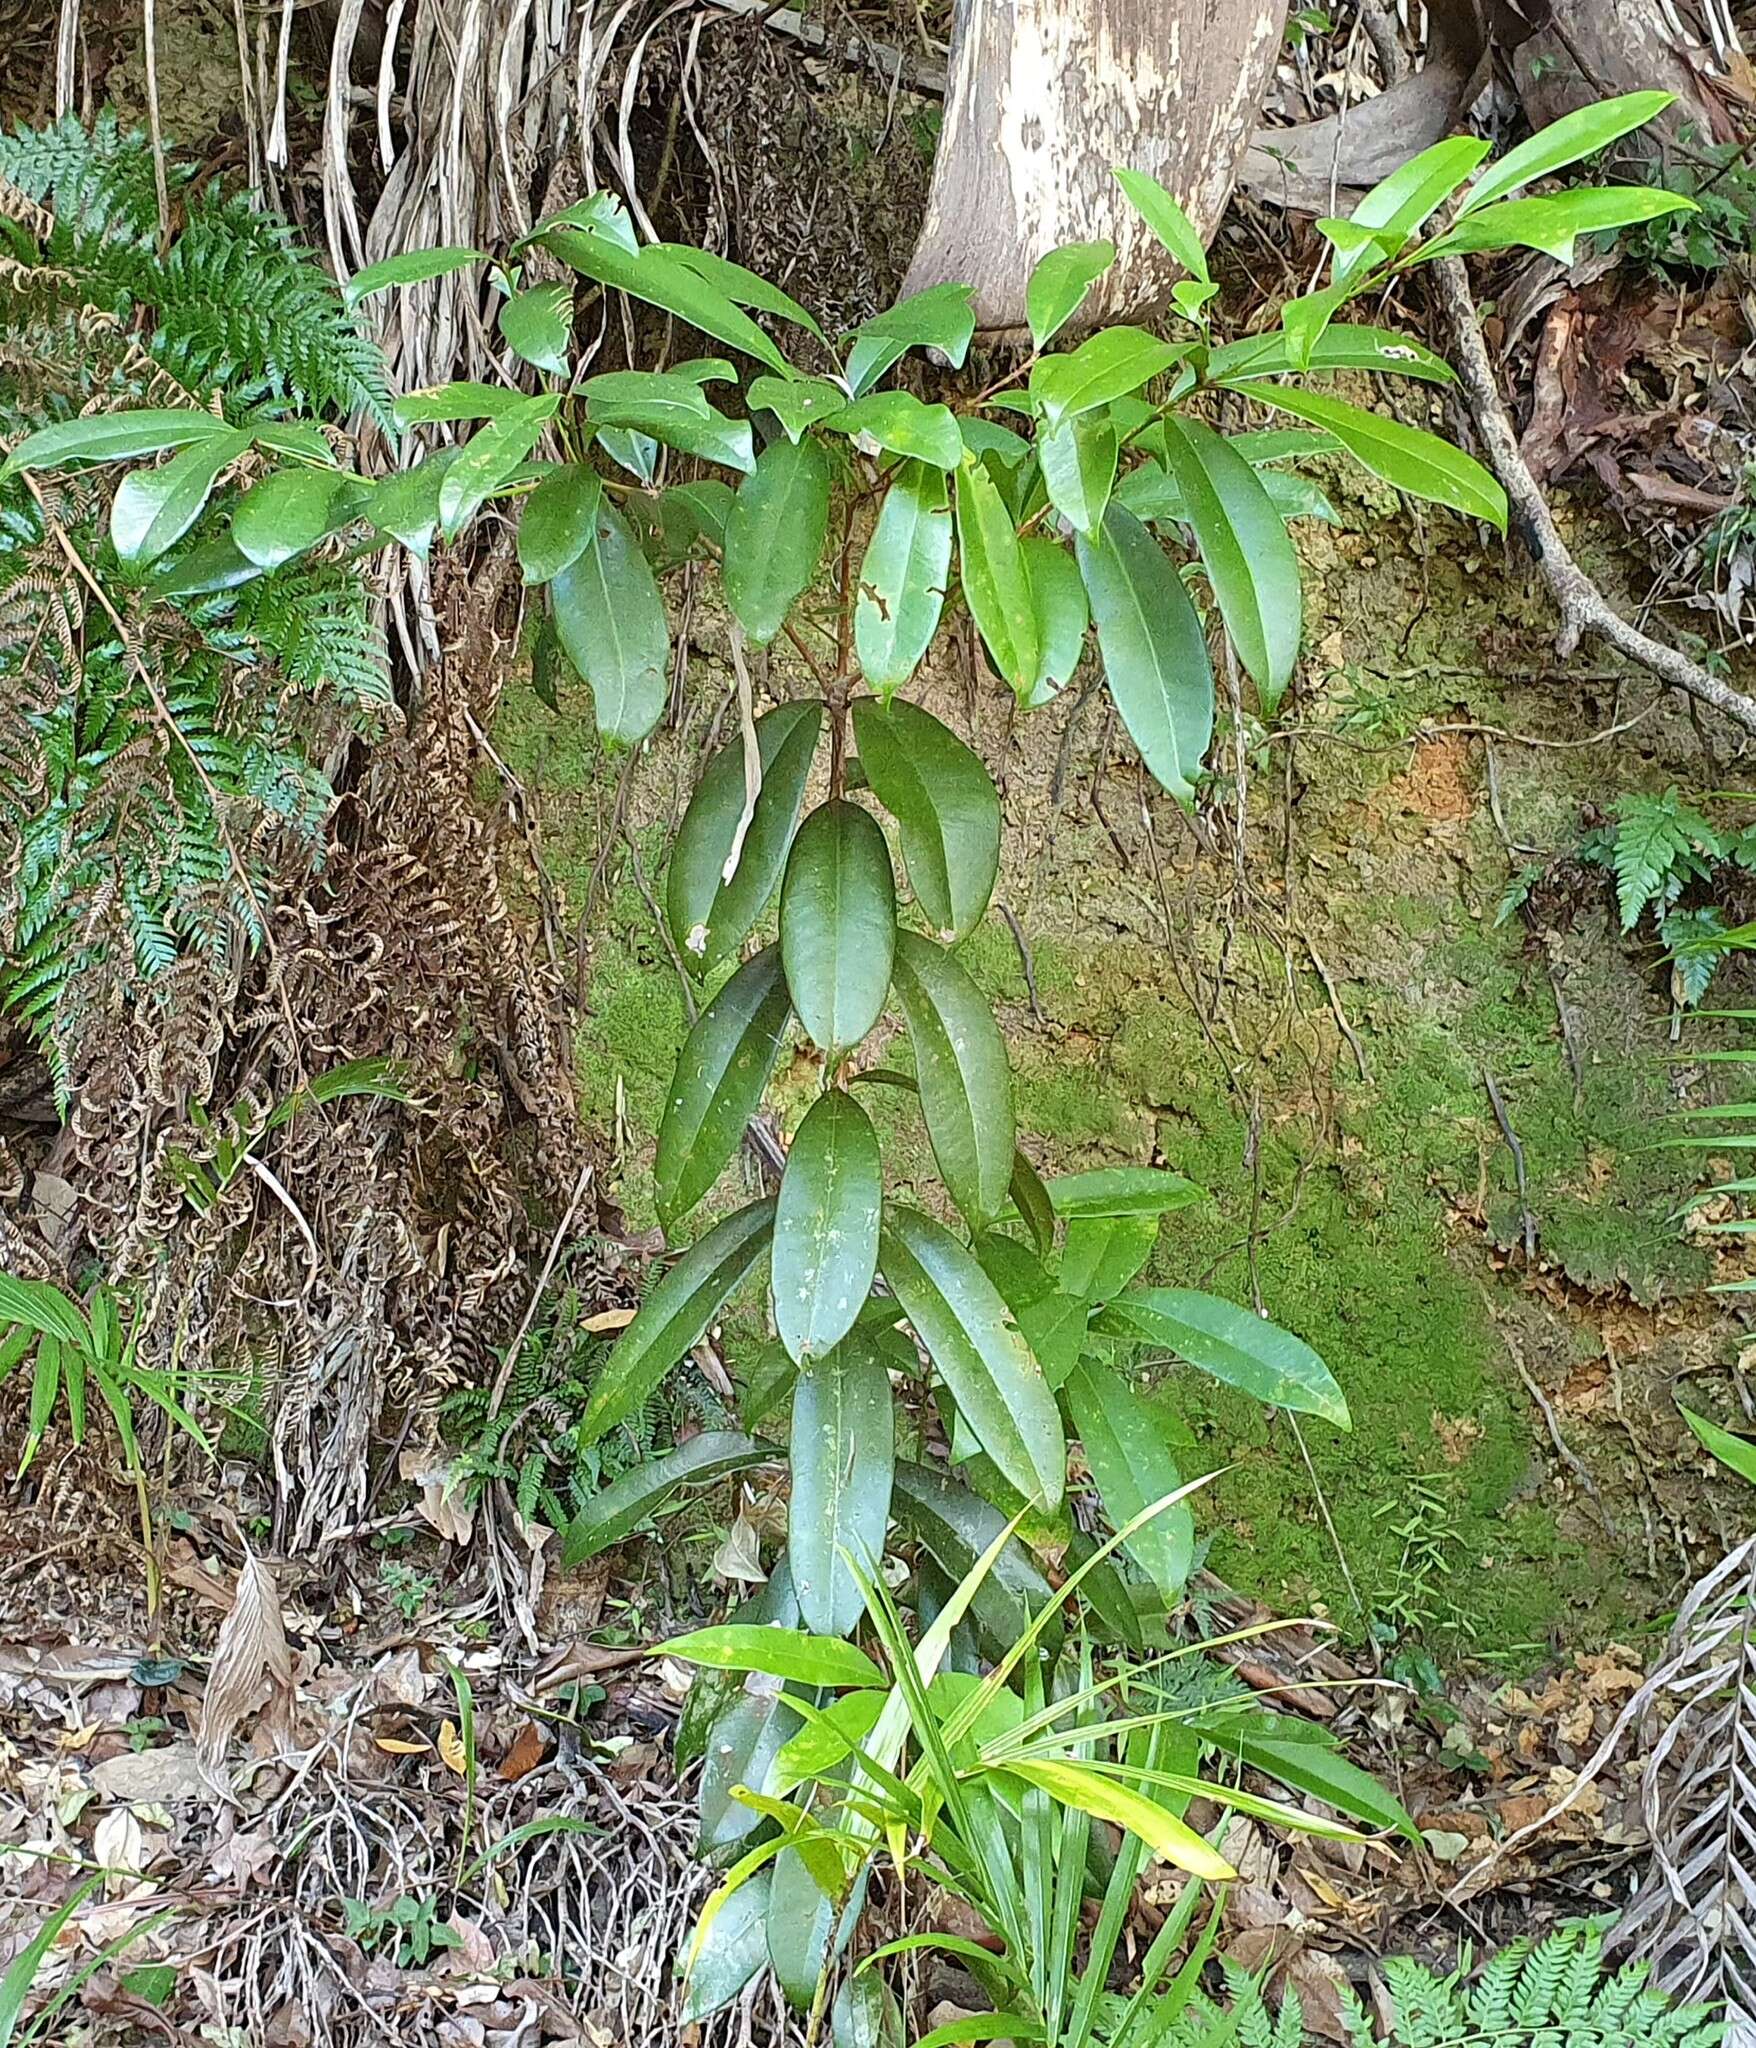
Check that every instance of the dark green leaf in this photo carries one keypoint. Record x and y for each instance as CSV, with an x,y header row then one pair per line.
x,y
634,452
1166,219
284,515
113,437
1132,1466
1565,142
942,317
446,404
709,916
661,279
643,398
154,508
800,1921
996,584
945,805
741,1749
767,1385
412,266
956,1527
1078,458
1122,1191
774,535
1034,1203
898,421
743,287
611,622
1281,1746
716,1089
559,521
838,924
781,1652
1411,459
406,504
630,1498
1059,283
826,1229
865,2015
903,577
673,1317
489,458
1154,650
963,1075
1243,364
703,505
1232,1345
1114,362
958,1314
798,402
538,324
843,1455
1058,594
735,1949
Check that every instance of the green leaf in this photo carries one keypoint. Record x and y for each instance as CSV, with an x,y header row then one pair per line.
x,y
1166,219
1058,596
1231,1345
1243,364
710,915
611,622
704,504
1103,1253
1094,1792
657,276
945,805
631,1497
21,1973
941,317
800,1922
1122,1191
963,1075
446,404
154,508
1414,461
1565,142
673,1316
1154,649
489,458
830,1735
865,2014
284,515
112,437
636,453
957,1528
843,1457
600,212
559,521
903,577
743,287
1033,1202
735,1949
406,504
717,1087
826,1229
1400,204
1307,1766
774,535
1552,225
958,1314
798,402
898,421
1243,541
1131,1465
1114,362
1736,1453
1078,460
643,398
996,584
1058,286
412,266
838,924
742,1748
41,1307
538,325
781,1652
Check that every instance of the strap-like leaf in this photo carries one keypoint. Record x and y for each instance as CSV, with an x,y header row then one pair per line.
x,y
721,1072
633,1495
843,1457
964,1078
610,620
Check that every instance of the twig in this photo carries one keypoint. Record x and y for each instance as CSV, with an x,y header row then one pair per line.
x,y
1563,1450
1517,1150
504,1375
1340,1015
1024,959
752,755
156,133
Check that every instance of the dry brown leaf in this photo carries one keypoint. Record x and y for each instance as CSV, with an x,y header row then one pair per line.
x,y
442,1502
451,1749
393,1745
252,1668
608,1319
528,1749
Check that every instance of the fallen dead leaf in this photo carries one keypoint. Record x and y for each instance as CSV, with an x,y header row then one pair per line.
x,y
442,1502
119,1844
166,1776
608,1319
529,1747
394,1745
451,1750
252,1668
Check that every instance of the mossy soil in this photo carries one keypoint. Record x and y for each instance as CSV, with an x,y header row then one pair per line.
x,y
1307,1022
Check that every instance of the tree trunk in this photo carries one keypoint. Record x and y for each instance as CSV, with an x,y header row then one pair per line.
x,y
1045,96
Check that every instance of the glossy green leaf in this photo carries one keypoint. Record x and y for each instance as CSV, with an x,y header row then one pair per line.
x,y
838,924
154,508
735,1949
899,422
797,402
942,317
743,287
717,1087
1114,362
774,535
1736,1453
39,1306
865,2014
702,505
611,622
800,1922
1243,364
1063,614
1122,1191
1411,459
1059,283
1400,204
446,404
1231,1345
1105,1798
284,515
1103,1253
537,324
113,437
843,1459
958,1314
1131,1465
1250,561
602,213
412,266
945,805
1154,649
661,279
826,1228
956,1528
828,1738
1166,219
636,398
1563,142
673,1316
987,438
489,458
1297,497
1078,460
1310,1766
633,1495
903,577
636,453
1554,224
963,1076
559,521
1033,1202
996,584
781,1652
709,914
747,1734
405,504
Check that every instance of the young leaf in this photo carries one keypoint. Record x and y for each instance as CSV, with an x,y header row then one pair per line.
x,y
1553,225
1411,459
1058,597
831,1734
538,324
964,1078
838,924
903,577
412,266
558,522
945,805
957,1528
1058,286
1114,362
898,421
1400,204
942,317
673,1316
958,1314
611,622
1564,142
112,437
658,277
721,1073
1093,1792
996,585
710,915
1132,1466
1232,1345
1078,460
774,535
743,287
154,508
284,515
826,1230
1154,650
843,1457
781,1652
1243,541
1166,219
630,1498
798,402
